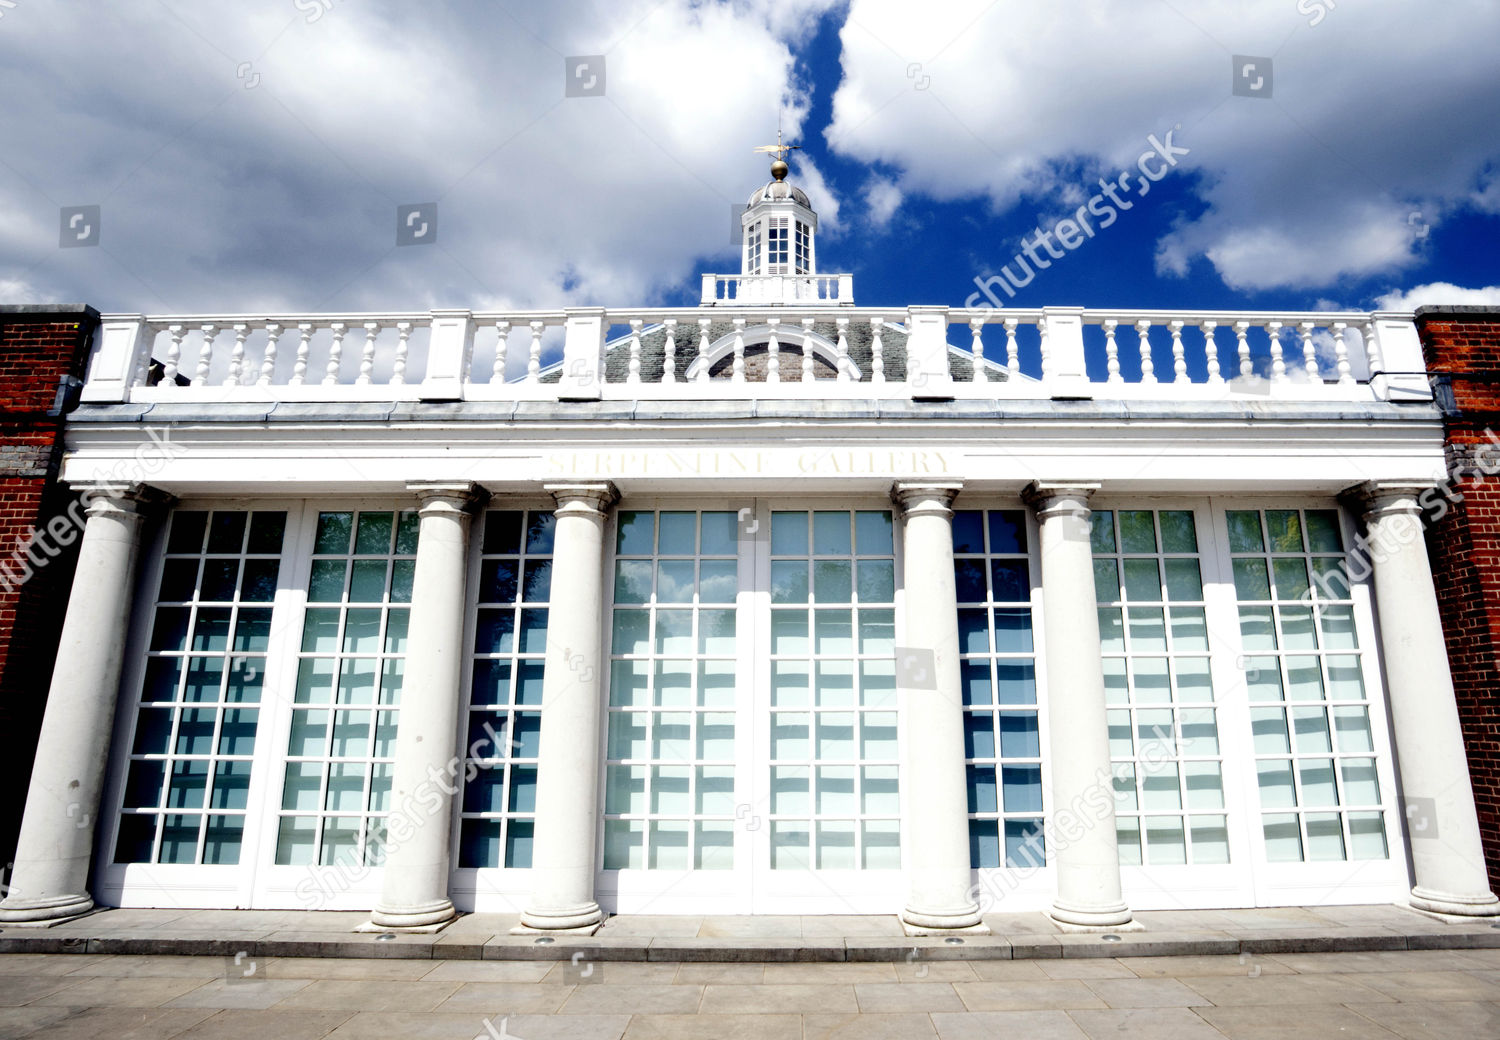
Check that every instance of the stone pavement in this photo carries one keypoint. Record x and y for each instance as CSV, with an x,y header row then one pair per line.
x,y
1416,994
294,933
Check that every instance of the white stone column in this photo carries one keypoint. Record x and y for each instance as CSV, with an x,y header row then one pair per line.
x,y
927,677
567,795
1447,854
1087,862
51,877
429,758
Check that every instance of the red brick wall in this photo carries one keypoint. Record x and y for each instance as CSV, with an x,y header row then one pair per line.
x,y
1462,349
39,346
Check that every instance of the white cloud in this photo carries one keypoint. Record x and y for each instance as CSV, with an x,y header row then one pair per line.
x,y
1438,294
806,175
882,199
283,196
1313,185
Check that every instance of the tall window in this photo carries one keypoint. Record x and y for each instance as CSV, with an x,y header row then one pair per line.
x,y
753,249
804,248
190,756
834,755
776,245
1314,753
1163,723
669,800
343,732
505,699
1002,744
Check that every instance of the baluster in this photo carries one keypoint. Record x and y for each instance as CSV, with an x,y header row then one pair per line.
x,y
335,354
502,351
1112,352
1179,357
877,352
1310,352
976,348
1046,346
143,359
237,356
843,349
1012,349
1373,356
367,355
403,344
467,365
534,357
174,357
669,353
1148,366
633,374
1242,334
773,353
268,361
304,348
1341,353
1278,363
1215,373
808,374
738,374
703,345
206,355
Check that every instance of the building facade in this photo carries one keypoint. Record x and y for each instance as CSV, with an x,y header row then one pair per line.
x,y
777,604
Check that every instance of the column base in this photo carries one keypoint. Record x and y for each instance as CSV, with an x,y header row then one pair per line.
x,y
1448,906
45,911
584,919
933,921
424,917
1093,918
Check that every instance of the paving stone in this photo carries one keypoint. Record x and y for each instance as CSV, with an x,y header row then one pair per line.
x,y
1008,971
359,995
1093,968
111,993
1060,994
125,1023
1146,1024
714,1027
505,998
261,1025
939,971
353,968
652,927
1430,986
988,1025
63,963
1283,990
842,926
1429,1021
256,994
1244,965
701,974
907,996
728,999
388,1025
1379,961
838,972
631,999
23,989
24,1021
1297,1022
130,966
486,971
1145,993
612,972
768,927
867,1027
748,950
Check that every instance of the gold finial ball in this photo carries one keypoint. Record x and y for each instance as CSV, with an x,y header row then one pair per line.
x,y
779,170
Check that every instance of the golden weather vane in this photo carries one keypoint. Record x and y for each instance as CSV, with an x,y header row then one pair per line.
x,y
780,150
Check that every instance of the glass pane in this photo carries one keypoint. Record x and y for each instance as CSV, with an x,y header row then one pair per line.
x,y
788,534
674,581
968,531
1284,530
1102,533
833,581
831,534
374,535
877,581
1178,534
1107,580
1323,531
875,533
1210,838
1142,581
1137,531
1291,577
718,581
1283,838
636,534
1325,837
1184,580
1250,580
678,535
720,534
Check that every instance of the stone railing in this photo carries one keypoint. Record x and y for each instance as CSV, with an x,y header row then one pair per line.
x,y
740,351
719,289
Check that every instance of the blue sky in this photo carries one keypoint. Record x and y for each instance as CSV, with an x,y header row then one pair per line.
x,y
252,157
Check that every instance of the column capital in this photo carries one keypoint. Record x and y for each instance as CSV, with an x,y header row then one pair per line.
x,y
1049,498
1377,499
448,495
576,498
107,498
936,498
